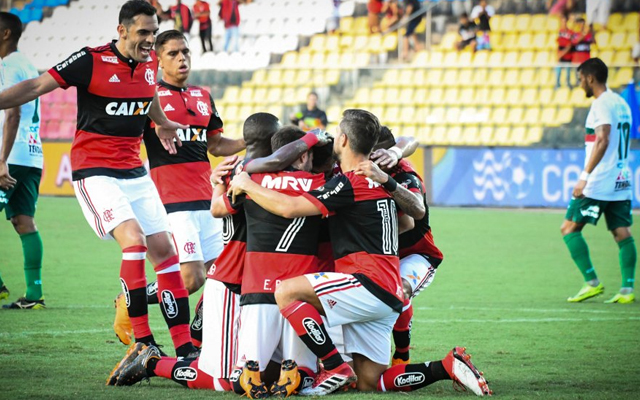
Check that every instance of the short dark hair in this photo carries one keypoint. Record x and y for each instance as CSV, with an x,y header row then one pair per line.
x,y
362,128
579,20
133,8
259,128
11,22
464,15
596,68
323,154
285,136
165,36
386,139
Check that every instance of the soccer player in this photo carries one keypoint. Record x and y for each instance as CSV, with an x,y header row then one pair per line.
x,y
21,164
197,234
604,186
116,91
364,295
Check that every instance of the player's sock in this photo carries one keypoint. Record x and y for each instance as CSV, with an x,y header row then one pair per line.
x,y
307,377
1,282
628,257
406,378
152,293
196,325
186,373
134,285
580,254
174,303
307,323
32,250
402,332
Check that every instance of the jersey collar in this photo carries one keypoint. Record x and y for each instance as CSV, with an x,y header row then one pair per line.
x,y
171,87
129,61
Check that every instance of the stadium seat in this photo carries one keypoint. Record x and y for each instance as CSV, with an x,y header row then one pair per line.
x,y
435,96
466,96
498,96
480,77
565,115
496,77
529,97
499,115
548,115
515,116
522,22
518,136
545,95
450,77
406,96
534,135
407,115
501,136
486,135
531,116
434,77
470,136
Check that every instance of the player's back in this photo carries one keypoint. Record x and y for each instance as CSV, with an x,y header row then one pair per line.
x,y
278,248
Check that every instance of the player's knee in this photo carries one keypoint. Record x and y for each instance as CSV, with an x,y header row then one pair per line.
x,y
23,224
366,384
284,294
193,279
407,289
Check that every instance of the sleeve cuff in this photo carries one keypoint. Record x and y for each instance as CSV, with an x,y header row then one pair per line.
x,y
215,132
63,84
227,204
323,210
310,139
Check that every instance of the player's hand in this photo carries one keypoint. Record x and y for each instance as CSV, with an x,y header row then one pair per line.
x,y
238,185
168,135
384,158
6,181
578,190
372,171
223,169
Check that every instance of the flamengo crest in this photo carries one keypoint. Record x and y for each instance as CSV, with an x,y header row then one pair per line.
x,y
202,107
150,77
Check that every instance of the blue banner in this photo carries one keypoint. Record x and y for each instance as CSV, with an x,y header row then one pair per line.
x,y
512,177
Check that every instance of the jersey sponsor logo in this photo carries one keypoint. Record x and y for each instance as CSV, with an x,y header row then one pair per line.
x,y
190,248
70,60
163,93
314,331
623,181
107,215
196,325
169,107
169,304
408,379
125,290
128,108
203,108
192,134
35,148
114,79
372,183
195,93
591,211
150,76
286,182
185,374
152,289
331,193
110,59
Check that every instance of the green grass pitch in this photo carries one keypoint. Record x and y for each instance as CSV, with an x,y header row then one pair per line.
x,y
500,292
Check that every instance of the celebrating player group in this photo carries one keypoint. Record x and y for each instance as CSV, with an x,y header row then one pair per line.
x,y
310,248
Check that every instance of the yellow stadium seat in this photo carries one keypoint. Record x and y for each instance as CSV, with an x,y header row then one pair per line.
x,y
602,39
622,58
553,24
498,96
545,95
486,135
450,77
434,77
360,60
577,97
534,135
421,115
496,77
360,43
390,42
496,23
258,78
304,59
523,22
409,130
466,96
346,42
615,22
496,40
630,40
450,96
421,59
508,23
538,22
483,95
452,115
561,96
515,116
450,59
480,59
454,135
435,116
531,116
565,115
468,116
465,77
375,44
317,43
622,77
301,95
464,59
334,113
511,59
617,41
406,96
483,115
318,79
529,96
436,58
360,26
346,24
231,94
528,77
332,43
260,96
318,60
630,22
404,78
449,41
274,95
391,77
519,136
407,114
470,136
289,59
513,96
289,96
479,77
511,77
332,77
377,96
539,41
419,78
437,135
333,60
245,96
546,77
391,115
230,113
435,96
244,111
526,59
420,96
525,41
509,40
288,77
499,115
392,95
345,60
303,78
363,96
501,136
495,59
606,56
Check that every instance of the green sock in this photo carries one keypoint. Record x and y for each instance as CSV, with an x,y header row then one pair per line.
x,y
1,281
628,257
32,250
580,254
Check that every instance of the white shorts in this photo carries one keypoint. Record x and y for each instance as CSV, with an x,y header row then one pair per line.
x,y
197,234
416,270
107,202
337,337
266,336
220,326
366,321
598,11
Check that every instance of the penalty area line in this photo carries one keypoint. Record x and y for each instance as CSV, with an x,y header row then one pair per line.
x,y
521,320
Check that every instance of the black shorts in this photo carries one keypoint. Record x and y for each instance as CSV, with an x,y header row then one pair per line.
x,y
412,25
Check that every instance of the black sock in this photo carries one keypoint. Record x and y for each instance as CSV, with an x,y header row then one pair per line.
x,y
185,350
152,293
151,366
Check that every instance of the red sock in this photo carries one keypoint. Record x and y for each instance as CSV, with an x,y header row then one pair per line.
x,y
134,286
402,332
409,377
174,301
187,373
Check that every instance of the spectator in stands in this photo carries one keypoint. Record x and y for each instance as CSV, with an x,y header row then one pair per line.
x,y
230,15
467,32
181,15
374,8
582,40
158,7
482,14
411,6
565,51
202,13
333,22
561,7
391,15
598,12
310,117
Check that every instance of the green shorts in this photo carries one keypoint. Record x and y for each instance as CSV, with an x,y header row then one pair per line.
x,y
23,197
588,211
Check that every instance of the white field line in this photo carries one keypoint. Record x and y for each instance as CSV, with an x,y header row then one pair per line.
x,y
534,310
67,332
521,320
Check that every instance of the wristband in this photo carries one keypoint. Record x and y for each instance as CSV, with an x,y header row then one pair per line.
x,y
584,176
310,139
396,150
391,185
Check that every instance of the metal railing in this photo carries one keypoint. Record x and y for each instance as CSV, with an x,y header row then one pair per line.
x,y
425,9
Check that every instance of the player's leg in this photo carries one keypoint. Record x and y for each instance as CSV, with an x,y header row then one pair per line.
x,y
619,221
580,212
5,195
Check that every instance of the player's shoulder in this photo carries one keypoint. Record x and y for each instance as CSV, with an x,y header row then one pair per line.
x,y
198,91
105,48
365,188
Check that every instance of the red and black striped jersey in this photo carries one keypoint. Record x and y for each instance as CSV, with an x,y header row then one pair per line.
x,y
114,97
364,233
182,179
278,248
229,265
418,240
325,250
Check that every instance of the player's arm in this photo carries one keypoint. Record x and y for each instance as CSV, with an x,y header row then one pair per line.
x,y
221,146
165,128
272,201
411,203
388,158
27,91
286,155
10,130
405,224
599,149
219,207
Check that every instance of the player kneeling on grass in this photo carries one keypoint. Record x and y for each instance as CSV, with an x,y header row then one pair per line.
x,y
364,295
